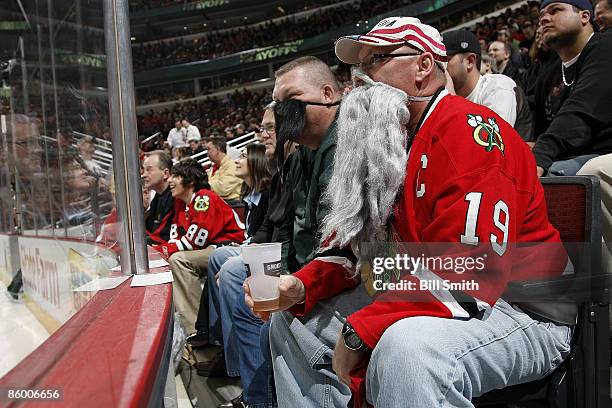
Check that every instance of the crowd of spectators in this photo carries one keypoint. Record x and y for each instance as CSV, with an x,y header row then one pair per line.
x,y
169,93
179,50
228,116
152,4
222,116
226,42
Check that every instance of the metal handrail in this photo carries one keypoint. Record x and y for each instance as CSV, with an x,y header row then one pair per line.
x,y
238,143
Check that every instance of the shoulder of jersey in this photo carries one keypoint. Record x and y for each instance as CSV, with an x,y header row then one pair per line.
x,y
470,127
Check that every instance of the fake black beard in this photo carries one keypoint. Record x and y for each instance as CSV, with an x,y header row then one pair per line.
x,y
290,121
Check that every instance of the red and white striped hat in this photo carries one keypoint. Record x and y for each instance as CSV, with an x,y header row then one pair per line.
x,y
394,31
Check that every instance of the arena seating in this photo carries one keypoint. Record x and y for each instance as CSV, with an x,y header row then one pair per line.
x,y
583,378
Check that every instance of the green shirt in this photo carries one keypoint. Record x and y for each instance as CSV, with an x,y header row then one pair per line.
x,y
307,179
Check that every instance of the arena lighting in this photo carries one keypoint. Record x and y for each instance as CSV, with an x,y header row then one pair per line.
x,y
133,38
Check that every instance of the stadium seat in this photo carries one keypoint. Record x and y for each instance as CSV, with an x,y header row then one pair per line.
x,y
583,379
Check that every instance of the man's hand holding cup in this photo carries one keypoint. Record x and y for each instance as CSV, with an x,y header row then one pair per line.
x,y
291,292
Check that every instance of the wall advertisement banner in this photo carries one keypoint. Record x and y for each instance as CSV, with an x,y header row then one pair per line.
x,y
52,268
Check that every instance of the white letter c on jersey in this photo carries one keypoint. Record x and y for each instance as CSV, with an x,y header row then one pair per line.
x,y
421,191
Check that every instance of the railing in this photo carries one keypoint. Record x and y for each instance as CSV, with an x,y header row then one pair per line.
x,y
103,153
239,143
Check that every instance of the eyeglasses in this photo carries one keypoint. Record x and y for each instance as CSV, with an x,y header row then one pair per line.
x,y
375,59
269,129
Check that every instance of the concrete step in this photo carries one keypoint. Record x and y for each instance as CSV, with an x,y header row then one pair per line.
x,y
208,392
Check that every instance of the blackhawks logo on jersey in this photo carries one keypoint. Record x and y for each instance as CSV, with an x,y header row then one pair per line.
x,y
201,203
486,134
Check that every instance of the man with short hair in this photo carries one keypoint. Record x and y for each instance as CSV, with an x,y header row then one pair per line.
x,y
222,175
307,96
267,132
157,166
495,91
194,147
191,131
202,221
500,52
177,135
581,125
504,36
414,165
603,14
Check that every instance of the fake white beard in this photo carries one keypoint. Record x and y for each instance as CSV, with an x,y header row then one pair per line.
x,y
369,164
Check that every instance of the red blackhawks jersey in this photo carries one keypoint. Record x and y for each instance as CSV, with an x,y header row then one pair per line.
x,y
470,179
205,220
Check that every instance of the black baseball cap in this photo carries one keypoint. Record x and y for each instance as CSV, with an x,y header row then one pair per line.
x,y
460,41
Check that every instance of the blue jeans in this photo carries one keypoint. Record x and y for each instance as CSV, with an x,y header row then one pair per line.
x,y
222,301
419,362
255,360
569,167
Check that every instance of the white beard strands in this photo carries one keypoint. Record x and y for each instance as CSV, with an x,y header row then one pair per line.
x,y
369,164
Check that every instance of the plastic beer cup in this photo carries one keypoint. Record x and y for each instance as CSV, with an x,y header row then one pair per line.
x,y
263,263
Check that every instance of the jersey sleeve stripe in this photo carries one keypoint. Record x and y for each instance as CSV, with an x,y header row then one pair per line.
x,y
188,245
444,296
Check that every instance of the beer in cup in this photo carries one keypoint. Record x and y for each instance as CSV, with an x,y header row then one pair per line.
x,y
263,263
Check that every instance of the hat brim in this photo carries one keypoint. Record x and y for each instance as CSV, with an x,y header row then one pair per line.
x,y
348,48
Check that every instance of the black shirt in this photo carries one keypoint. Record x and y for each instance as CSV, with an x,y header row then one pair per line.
x,y
279,211
158,218
583,123
549,95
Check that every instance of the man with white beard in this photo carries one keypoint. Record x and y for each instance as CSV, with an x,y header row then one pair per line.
x,y
416,165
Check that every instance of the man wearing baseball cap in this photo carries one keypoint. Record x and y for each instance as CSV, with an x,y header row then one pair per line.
x,y
415,165
495,91
578,140
581,128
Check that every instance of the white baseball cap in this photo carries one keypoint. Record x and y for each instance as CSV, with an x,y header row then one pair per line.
x,y
394,31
